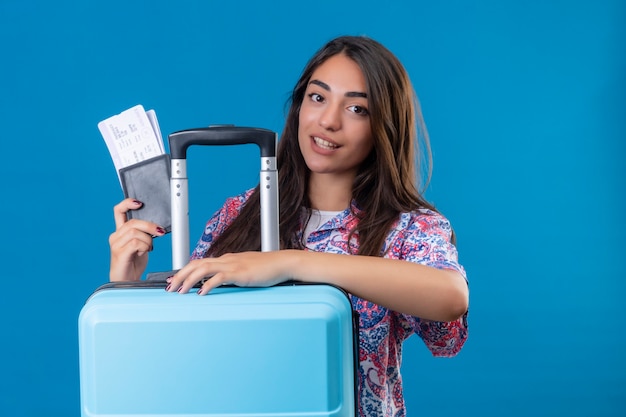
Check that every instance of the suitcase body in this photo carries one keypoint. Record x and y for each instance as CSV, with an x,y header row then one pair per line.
x,y
286,350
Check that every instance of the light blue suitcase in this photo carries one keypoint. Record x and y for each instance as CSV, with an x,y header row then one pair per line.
x,y
286,350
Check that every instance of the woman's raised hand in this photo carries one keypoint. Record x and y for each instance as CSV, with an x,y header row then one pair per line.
x,y
130,243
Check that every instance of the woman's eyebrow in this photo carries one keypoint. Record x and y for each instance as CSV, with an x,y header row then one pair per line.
x,y
326,87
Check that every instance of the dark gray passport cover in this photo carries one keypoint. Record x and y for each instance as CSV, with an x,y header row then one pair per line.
x,y
149,182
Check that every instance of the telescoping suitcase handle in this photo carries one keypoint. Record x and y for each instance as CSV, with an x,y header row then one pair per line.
x,y
212,136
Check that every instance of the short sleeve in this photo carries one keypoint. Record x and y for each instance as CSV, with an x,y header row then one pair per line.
x,y
427,241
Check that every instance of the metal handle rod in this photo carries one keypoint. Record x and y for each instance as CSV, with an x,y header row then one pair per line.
x,y
179,194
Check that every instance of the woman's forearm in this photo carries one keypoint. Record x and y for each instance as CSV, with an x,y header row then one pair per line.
x,y
405,287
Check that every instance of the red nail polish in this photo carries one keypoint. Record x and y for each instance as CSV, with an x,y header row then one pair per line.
x,y
137,202
160,230
180,289
168,287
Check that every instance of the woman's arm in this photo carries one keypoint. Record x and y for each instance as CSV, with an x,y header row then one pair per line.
x,y
405,287
402,286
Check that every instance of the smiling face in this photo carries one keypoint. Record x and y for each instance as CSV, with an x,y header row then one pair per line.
x,y
334,131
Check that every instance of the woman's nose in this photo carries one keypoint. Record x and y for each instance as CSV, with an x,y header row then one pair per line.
x,y
330,118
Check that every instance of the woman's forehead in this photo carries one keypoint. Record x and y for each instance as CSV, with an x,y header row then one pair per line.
x,y
340,74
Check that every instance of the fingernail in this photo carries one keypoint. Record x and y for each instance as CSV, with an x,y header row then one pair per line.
x,y
160,230
169,279
137,202
199,292
180,289
168,287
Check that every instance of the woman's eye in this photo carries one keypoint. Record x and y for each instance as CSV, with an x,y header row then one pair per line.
x,y
358,110
316,97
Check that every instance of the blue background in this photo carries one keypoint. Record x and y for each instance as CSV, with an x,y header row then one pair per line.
x,y
525,105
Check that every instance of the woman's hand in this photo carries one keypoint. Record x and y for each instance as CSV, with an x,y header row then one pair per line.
x,y
130,243
246,269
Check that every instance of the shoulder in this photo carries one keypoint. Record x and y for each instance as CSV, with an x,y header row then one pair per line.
x,y
423,223
228,212
238,201
424,236
220,220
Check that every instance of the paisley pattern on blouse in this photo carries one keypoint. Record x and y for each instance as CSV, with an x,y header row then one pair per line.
x,y
422,237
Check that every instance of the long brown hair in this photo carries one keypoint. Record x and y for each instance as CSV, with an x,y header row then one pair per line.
x,y
387,181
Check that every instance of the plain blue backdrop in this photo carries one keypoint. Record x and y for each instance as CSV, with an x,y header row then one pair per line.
x,y
525,105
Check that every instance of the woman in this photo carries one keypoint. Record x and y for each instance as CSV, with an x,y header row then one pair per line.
x,y
347,178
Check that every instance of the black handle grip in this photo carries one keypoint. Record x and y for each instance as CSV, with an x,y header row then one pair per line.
x,y
222,135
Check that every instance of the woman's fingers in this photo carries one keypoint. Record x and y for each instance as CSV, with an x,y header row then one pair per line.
x,y
241,269
211,283
120,210
192,273
131,240
121,219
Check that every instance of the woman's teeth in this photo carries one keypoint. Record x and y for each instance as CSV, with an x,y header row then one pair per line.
x,y
324,143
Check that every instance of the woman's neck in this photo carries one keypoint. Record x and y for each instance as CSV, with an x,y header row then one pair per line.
x,y
330,192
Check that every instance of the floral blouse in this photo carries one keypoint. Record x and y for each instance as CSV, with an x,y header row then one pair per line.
x,y
422,237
